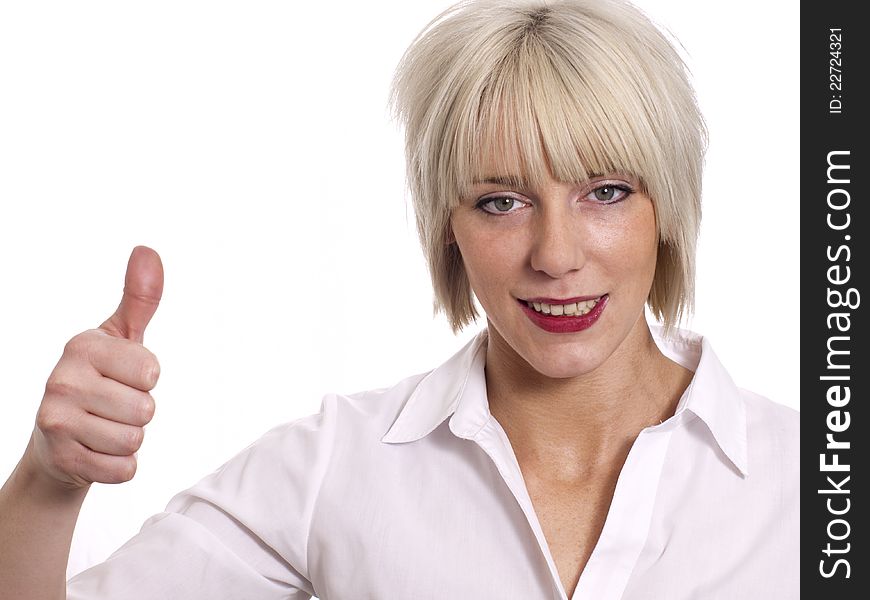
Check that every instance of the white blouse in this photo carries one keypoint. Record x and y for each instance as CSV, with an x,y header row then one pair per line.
x,y
414,493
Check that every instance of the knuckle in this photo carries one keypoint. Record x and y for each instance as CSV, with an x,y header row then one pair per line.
x,y
58,385
151,371
50,420
74,345
88,344
133,438
147,408
80,343
126,470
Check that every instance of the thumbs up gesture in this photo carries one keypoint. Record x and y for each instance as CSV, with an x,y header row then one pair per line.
x,y
97,401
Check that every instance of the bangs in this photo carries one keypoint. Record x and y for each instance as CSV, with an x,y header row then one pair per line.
x,y
565,89
540,113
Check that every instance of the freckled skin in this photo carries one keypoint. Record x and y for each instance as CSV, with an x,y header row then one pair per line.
x,y
558,243
571,404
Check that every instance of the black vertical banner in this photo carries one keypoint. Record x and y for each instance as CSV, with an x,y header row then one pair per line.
x,y
835,362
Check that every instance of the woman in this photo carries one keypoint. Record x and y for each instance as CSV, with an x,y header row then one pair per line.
x,y
569,450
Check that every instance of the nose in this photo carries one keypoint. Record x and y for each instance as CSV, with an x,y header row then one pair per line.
x,y
557,247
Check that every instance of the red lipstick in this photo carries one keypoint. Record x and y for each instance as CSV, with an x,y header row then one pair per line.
x,y
565,324
542,300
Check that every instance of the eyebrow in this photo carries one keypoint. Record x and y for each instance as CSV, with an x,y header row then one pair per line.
x,y
509,180
522,182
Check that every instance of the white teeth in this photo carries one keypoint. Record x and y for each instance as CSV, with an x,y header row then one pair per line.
x,y
578,308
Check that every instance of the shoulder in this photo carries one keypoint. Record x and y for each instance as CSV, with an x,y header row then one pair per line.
x,y
773,436
271,490
359,417
292,460
768,418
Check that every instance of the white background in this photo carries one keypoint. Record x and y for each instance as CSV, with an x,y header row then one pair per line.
x,y
249,143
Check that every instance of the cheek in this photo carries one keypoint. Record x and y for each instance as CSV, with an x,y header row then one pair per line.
x,y
642,245
490,256
487,259
627,242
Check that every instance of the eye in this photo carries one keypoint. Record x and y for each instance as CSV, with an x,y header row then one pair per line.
x,y
609,193
500,205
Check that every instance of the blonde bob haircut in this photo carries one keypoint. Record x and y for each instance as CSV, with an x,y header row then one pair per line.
x,y
577,88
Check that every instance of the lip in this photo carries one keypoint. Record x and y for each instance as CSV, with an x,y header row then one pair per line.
x,y
565,324
542,300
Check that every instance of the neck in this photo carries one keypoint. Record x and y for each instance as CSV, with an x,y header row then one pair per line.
x,y
580,425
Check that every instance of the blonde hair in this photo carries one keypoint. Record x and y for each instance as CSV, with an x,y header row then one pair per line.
x,y
579,87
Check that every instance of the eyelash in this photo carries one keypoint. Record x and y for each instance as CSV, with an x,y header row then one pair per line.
x,y
617,186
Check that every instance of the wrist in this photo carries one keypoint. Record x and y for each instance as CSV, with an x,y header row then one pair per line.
x,y
31,477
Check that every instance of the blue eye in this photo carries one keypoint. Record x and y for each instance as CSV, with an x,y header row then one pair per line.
x,y
604,193
501,204
609,193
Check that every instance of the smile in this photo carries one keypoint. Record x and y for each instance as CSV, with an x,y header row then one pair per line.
x,y
574,308
564,318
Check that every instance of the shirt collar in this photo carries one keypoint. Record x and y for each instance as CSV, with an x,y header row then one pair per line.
x,y
457,389
712,395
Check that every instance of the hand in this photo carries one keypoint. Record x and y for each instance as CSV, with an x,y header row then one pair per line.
x,y
91,420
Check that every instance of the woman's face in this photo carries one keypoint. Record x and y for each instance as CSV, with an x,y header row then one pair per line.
x,y
561,242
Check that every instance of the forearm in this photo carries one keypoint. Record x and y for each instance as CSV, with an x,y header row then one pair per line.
x,y
37,519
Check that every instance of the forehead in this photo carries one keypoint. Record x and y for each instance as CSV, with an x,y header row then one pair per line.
x,y
503,159
529,144
524,167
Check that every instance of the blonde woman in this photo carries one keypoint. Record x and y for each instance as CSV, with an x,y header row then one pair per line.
x,y
570,450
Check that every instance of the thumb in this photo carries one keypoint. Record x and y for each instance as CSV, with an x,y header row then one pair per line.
x,y
143,288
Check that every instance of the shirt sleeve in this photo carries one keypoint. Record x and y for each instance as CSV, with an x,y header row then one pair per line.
x,y
242,532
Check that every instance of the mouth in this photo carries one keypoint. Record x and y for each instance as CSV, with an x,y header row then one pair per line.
x,y
571,307
570,317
